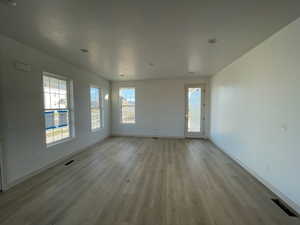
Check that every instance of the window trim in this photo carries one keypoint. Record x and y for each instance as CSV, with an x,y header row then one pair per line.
x,y
101,108
70,106
120,105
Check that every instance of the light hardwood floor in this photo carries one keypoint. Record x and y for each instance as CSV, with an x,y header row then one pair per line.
x,y
143,181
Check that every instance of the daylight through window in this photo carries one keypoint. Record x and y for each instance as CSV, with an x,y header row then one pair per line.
x,y
95,98
56,109
127,104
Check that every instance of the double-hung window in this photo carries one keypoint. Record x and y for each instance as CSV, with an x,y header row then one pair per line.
x,y
57,108
95,107
127,105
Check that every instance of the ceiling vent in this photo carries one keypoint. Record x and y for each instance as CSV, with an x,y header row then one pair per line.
x,y
284,207
69,162
83,50
212,41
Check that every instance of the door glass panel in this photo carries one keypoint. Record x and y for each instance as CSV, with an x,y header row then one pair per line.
x,y
194,110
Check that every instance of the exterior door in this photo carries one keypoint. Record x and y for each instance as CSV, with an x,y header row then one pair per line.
x,y
194,113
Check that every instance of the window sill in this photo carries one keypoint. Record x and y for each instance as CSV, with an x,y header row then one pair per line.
x,y
59,142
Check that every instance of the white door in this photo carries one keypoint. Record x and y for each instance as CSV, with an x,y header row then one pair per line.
x,y
194,113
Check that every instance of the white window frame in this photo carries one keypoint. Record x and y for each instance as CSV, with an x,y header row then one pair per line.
x,y
70,107
120,106
101,108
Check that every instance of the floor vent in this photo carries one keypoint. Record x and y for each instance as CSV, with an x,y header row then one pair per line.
x,y
281,205
155,138
68,163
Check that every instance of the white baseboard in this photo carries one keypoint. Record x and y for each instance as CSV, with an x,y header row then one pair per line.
x,y
267,184
52,164
2,175
151,136
146,136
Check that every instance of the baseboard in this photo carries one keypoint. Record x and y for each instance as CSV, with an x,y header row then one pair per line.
x,y
52,164
146,136
267,184
156,136
3,183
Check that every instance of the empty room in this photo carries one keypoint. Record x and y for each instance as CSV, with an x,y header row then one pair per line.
x,y
149,112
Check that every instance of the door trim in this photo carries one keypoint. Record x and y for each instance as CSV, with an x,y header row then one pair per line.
x,y
2,184
203,114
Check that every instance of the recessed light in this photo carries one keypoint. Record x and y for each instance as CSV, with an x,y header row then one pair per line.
x,y
11,2
212,41
84,50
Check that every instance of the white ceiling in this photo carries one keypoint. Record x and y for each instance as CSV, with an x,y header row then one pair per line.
x,y
127,37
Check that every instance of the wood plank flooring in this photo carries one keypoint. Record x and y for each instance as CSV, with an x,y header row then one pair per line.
x,y
143,181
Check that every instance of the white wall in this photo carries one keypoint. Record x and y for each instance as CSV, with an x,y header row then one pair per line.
x,y
256,108
22,110
160,107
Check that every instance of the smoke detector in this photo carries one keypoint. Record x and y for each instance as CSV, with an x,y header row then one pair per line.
x,y
212,41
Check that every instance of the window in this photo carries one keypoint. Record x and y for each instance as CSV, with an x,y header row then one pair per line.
x,y
56,108
127,104
95,98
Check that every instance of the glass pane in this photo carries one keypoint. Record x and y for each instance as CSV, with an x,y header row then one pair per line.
x,y
95,97
95,118
57,125
63,86
55,100
56,109
54,85
194,110
127,100
63,101
128,113
55,93
95,108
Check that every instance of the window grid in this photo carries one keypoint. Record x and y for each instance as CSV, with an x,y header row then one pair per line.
x,y
127,104
56,109
96,105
